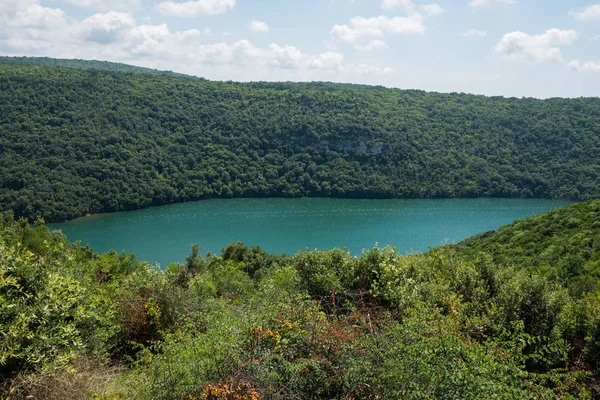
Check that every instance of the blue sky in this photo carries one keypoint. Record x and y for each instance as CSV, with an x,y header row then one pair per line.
x,y
517,48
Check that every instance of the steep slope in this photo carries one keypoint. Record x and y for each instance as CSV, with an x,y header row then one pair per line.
x,y
563,244
77,141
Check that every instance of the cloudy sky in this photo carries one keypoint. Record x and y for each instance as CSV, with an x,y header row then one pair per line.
x,y
495,47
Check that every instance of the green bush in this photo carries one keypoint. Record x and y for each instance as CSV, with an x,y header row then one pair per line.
x,y
450,323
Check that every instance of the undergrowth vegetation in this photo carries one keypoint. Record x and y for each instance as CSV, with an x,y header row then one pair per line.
x,y
456,322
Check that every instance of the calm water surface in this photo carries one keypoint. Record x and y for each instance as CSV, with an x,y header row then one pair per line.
x,y
165,234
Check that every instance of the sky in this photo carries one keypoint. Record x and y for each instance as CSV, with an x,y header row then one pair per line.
x,y
521,48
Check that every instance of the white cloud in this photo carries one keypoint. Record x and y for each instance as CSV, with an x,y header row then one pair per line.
x,y
574,65
589,66
372,45
9,7
292,57
115,5
366,34
590,13
258,26
34,30
27,28
36,16
432,9
407,5
25,24
487,3
28,14
244,54
365,69
107,28
475,33
194,8
539,48
361,29
156,40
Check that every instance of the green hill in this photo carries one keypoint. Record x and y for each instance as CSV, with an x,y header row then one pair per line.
x,y
318,324
563,244
86,64
78,141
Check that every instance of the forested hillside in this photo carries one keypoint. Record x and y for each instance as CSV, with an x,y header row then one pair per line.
x,y
75,141
446,324
563,245
86,64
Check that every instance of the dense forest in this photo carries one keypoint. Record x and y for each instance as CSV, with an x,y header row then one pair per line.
x,y
562,246
80,137
455,322
86,64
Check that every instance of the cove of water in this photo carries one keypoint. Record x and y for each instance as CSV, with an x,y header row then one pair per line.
x,y
165,234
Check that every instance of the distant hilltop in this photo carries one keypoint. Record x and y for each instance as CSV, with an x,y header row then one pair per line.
x,y
87,64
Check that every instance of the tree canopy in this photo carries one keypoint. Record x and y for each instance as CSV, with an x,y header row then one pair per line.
x,y
454,322
80,137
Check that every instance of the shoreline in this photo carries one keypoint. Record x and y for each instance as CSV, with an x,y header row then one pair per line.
x,y
93,215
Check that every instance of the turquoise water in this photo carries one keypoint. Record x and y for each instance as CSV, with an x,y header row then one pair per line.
x,y
165,234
